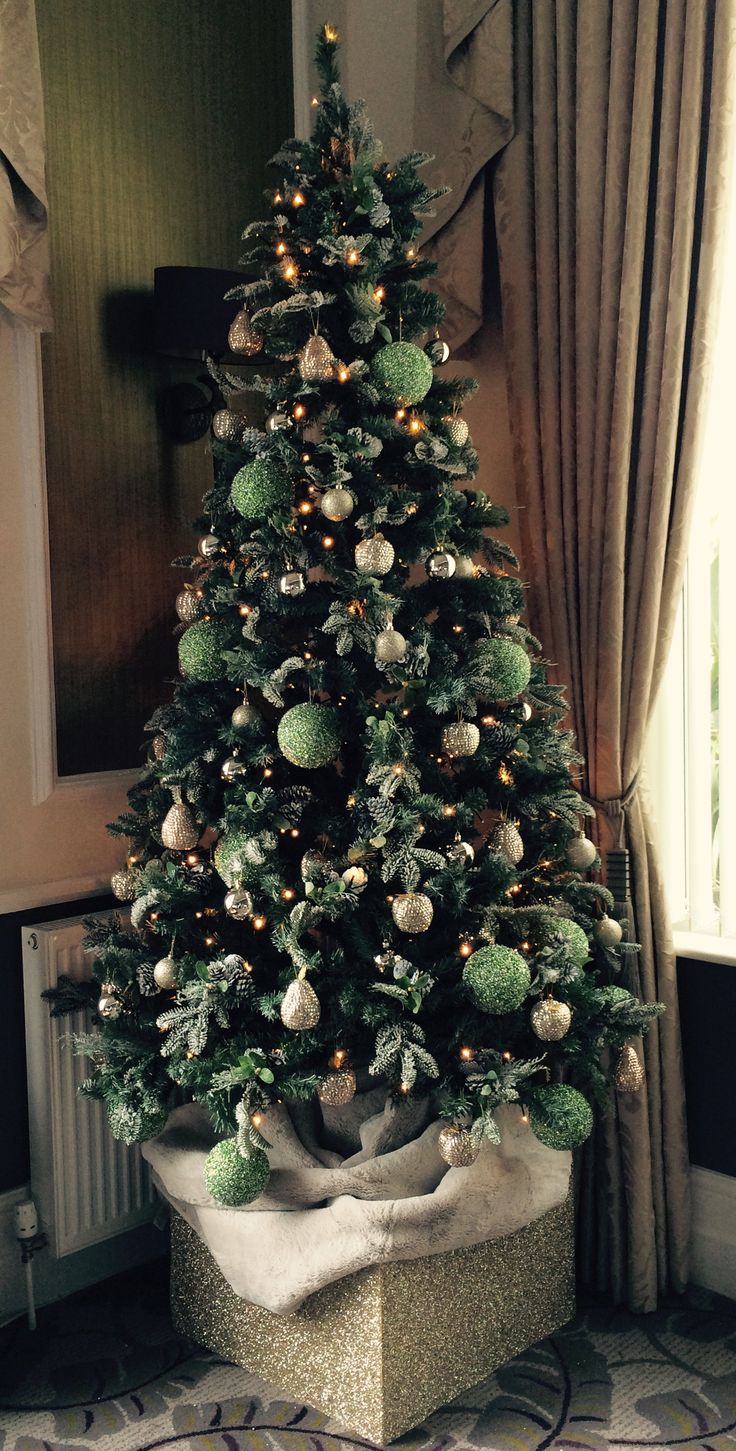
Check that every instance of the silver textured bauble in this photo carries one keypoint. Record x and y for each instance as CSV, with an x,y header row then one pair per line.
x,y
292,583
438,351
244,715
123,885
300,1006
277,421
238,904
608,932
581,853
412,912
550,1020
390,646
461,738
231,768
209,545
506,839
457,429
337,504
464,567
356,878
460,852
374,556
629,1075
109,1006
440,564
164,974
241,338
226,425
337,1088
188,606
456,1146
316,361
179,831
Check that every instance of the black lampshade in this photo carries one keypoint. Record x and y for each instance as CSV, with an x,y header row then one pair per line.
x,y
191,317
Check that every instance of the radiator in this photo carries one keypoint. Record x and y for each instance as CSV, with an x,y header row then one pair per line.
x,y
87,1186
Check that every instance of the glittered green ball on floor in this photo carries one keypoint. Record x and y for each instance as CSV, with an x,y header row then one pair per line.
x,y
497,979
260,488
403,373
576,941
230,1178
309,735
200,650
135,1125
504,666
230,855
560,1116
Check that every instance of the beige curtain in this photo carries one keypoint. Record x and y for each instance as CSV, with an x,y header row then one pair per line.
x,y
608,203
24,291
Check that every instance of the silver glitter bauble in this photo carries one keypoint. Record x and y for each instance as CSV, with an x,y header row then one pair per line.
x,y
231,768
316,361
457,429
123,885
356,878
188,606
456,1146
550,1020
109,1006
581,853
440,564
464,567
337,504
277,421
608,932
460,852
412,912
292,583
629,1074
337,1088
179,831
164,974
241,338
238,904
300,1006
209,546
374,556
226,425
506,839
462,738
390,646
244,715
438,351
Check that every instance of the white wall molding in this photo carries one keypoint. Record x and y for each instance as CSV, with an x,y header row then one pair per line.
x,y
714,1231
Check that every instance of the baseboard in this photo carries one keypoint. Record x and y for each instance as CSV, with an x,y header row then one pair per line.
x,y
714,1231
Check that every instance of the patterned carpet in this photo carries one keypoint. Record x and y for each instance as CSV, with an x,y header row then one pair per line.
x,y
106,1371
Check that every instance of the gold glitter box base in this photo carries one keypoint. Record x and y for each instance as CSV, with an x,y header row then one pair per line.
x,y
382,1349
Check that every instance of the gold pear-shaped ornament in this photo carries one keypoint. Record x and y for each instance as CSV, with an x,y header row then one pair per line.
x,y
317,360
629,1074
179,831
300,1007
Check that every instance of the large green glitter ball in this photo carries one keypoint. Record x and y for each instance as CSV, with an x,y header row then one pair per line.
x,y
497,978
402,372
560,1117
505,667
200,650
576,941
134,1125
309,735
231,855
260,488
232,1179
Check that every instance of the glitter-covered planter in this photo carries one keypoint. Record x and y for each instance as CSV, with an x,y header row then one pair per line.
x,y
384,1348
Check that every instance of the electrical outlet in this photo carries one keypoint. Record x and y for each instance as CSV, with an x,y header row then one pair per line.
x,y
26,1220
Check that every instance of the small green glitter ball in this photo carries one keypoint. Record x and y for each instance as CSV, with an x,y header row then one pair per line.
x,y
497,978
506,668
560,1117
135,1125
233,1180
309,735
230,855
259,488
200,650
615,996
403,372
576,941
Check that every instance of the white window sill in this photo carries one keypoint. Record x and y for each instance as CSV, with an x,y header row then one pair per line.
x,y
705,946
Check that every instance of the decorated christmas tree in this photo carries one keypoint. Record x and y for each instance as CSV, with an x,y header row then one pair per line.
x,y
356,853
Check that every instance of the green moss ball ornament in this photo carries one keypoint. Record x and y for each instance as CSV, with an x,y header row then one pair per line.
x,y
309,735
230,1178
505,667
259,488
576,941
497,978
403,373
560,1117
200,650
231,854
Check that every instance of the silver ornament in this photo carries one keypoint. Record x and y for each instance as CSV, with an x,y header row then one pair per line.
x,y
356,878
464,567
390,646
629,1075
456,1146
338,1088
292,583
231,768
277,421
374,556
550,1020
438,351
581,853
337,504
164,974
123,885
462,853
241,338
385,959
462,738
179,831
608,932
209,546
244,715
316,361
238,904
526,710
412,912
457,429
441,564
188,606
109,1006
300,1006
505,838
226,425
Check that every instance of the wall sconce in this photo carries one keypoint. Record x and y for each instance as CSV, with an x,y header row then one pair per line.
x,y
191,320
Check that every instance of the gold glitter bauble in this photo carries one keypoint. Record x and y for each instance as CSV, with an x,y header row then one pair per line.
x,y
462,738
123,885
337,504
179,831
506,839
550,1020
457,429
390,646
608,932
412,912
456,1146
164,974
337,1088
226,425
300,1007
581,853
374,556
316,360
241,338
244,715
188,606
629,1074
